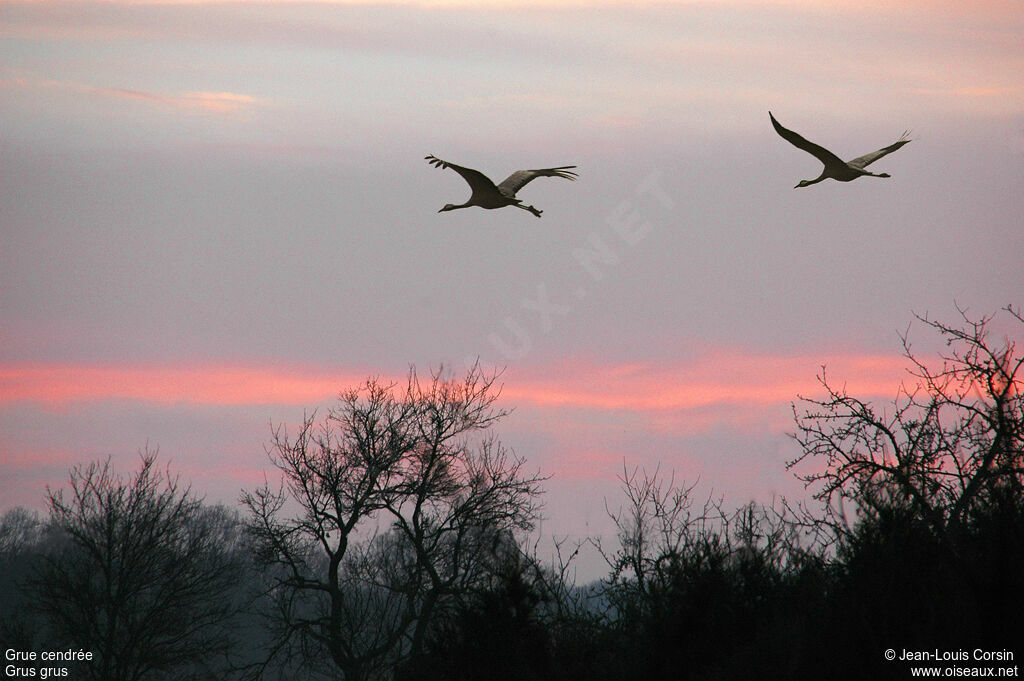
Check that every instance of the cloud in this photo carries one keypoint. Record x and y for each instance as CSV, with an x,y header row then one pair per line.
x,y
205,102
724,377
190,102
718,378
978,91
554,62
60,384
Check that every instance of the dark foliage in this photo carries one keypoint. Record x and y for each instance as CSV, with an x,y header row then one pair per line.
x,y
498,634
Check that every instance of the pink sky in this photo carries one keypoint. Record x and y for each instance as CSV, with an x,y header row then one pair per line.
x,y
724,377
216,215
577,419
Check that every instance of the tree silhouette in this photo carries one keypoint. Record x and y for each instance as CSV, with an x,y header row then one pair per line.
x,y
693,588
950,445
142,575
398,508
933,555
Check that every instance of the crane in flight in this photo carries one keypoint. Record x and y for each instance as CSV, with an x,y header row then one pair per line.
x,y
488,195
835,167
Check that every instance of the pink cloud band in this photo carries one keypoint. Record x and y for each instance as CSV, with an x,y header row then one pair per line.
x,y
721,378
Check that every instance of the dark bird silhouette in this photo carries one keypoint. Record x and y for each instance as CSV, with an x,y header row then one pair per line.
x,y
835,167
488,195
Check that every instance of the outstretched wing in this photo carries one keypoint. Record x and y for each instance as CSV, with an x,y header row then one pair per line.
x,y
867,159
478,182
517,180
821,153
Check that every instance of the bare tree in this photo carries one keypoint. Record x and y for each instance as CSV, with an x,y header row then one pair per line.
x,y
663,534
141,577
385,517
693,585
950,444
656,527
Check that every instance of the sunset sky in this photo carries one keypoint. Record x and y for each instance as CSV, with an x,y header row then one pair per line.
x,y
215,216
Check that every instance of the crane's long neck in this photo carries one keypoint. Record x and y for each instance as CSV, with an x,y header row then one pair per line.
x,y
808,183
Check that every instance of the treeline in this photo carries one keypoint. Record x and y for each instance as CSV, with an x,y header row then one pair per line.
x,y
396,546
